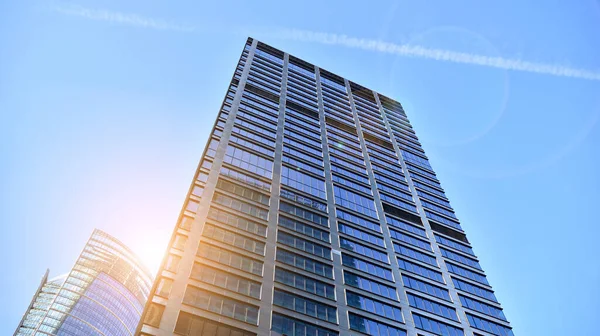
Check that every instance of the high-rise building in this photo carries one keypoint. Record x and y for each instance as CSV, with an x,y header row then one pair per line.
x,y
314,211
103,295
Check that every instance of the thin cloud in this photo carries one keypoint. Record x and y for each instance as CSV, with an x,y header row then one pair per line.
x,y
407,50
122,18
410,50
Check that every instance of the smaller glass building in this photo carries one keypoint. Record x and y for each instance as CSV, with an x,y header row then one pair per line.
x,y
104,294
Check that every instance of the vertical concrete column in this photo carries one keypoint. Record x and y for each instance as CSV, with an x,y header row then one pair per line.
x,y
174,304
335,239
264,324
445,274
409,324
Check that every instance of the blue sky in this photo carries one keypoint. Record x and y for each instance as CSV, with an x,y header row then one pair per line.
x,y
105,108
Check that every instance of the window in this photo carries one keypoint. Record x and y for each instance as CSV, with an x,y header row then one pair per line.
x,y
164,287
302,182
289,326
253,136
172,263
369,285
212,148
405,226
424,179
230,259
245,178
357,220
251,145
428,188
424,287
432,307
237,222
303,137
303,245
475,290
398,202
351,185
436,327
364,250
305,306
291,142
354,202
225,280
413,254
191,325
489,326
243,192
349,174
434,199
373,306
419,161
411,240
304,263
461,259
466,273
192,206
360,235
257,128
438,209
221,305
372,327
179,242
420,270
248,161
197,190
303,166
304,283
303,200
302,228
367,267
453,244
240,206
303,156
233,239
394,191
305,214
482,307
186,222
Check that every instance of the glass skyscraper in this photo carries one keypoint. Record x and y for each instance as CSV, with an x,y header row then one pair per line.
x,y
103,295
315,211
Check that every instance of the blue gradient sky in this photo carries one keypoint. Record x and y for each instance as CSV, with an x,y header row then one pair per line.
x,y
103,119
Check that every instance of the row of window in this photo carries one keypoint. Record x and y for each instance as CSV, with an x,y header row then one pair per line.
x,y
226,280
425,287
432,307
220,304
237,222
367,267
302,228
373,306
306,201
233,239
230,259
364,250
304,214
303,245
304,263
413,254
304,283
305,306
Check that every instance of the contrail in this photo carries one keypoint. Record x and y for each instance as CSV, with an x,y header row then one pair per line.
x,y
122,18
407,50
435,54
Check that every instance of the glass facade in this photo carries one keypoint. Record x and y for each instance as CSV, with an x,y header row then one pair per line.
x,y
104,294
315,211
